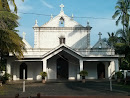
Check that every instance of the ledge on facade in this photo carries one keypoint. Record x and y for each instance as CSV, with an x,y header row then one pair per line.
x,y
63,28
114,56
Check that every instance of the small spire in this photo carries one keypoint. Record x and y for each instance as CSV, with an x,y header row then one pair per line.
x,y
72,16
100,34
62,6
51,16
24,34
88,23
36,23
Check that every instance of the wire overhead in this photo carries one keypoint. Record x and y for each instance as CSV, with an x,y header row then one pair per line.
x,y
66,16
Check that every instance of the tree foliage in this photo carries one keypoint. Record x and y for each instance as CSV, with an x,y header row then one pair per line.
x,y
10,41
121,39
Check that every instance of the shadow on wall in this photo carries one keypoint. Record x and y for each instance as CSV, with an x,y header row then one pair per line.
x,y
77,29
81,44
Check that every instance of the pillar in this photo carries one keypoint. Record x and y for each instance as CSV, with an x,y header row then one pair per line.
x,y
8,67
80,69
116,65
44,65
81,65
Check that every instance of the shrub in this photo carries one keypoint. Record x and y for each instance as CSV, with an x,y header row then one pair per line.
x,y
43,74
5,77
119,75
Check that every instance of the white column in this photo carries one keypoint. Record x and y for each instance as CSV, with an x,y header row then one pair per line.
x,y
81,65
116,65
80,69
111,68
44,65
8,67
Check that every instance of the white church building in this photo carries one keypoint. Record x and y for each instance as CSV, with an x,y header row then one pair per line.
x,y
62,49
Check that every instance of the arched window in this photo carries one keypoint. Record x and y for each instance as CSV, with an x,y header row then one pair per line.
x,y
62,40
61,22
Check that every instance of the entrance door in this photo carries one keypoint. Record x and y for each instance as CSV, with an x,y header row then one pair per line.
x,y
62,68
22,67
101,71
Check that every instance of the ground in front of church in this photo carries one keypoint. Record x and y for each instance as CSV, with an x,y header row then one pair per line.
x,y
71,88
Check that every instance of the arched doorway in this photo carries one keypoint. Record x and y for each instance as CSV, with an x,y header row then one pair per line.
x,y
62,68
22,67
100,70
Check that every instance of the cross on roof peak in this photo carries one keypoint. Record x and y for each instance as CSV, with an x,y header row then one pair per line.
x,y
100,34
62,6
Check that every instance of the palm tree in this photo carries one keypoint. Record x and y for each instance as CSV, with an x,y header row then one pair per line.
x,y
112,39
122,12
10,42
4,5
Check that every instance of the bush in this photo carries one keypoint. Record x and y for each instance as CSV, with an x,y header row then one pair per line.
x,y
43,74
5,77
83,73
119,75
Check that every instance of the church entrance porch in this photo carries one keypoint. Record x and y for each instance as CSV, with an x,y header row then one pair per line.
x,y
62,66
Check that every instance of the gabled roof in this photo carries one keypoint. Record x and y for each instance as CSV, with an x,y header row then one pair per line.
x,y
101,44
60,48
68,21
27,45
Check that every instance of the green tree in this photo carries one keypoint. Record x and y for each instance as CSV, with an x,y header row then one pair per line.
x,y
122,12
122,41
10,41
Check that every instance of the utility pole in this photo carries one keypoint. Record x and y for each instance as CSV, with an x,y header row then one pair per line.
x,y
24,80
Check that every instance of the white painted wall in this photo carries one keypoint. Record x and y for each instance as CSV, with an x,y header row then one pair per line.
x,y
91,68
33,70
74,39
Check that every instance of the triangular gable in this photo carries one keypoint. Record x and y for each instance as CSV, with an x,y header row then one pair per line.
x,y
101,44
60,48
69,22
27,45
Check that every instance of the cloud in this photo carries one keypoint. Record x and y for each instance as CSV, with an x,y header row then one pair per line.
x,y
46,4
22,6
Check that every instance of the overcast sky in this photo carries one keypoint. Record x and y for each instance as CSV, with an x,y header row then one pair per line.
x,y
94,10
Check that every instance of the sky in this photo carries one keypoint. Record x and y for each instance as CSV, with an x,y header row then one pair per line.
x,y
94,10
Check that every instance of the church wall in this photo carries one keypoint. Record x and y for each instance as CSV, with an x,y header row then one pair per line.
x,y
73,68
91,68
33,70
51,68
74,39
15,70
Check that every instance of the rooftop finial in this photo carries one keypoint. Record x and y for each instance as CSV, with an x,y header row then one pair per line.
x,y
51,16
36,23
88,23
62,6
24,34
100,34
72,16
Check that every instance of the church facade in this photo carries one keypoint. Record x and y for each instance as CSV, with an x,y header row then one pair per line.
x,y
62,49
